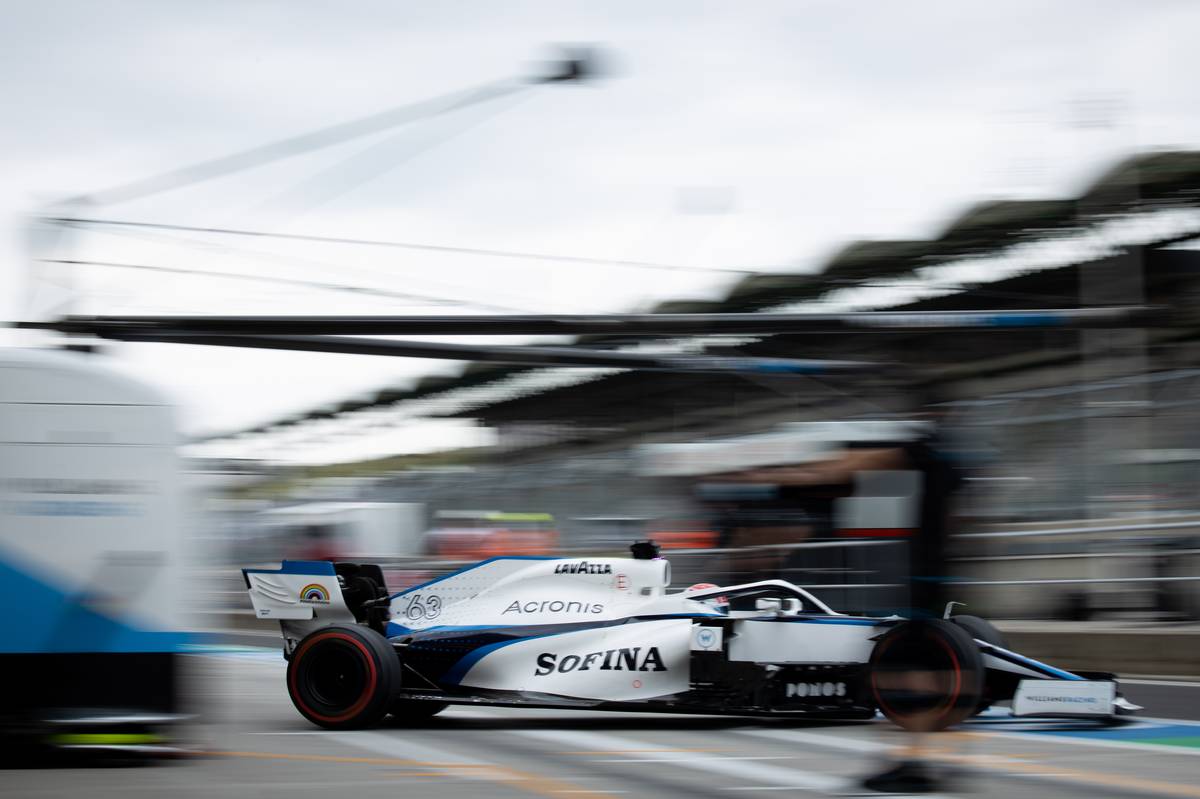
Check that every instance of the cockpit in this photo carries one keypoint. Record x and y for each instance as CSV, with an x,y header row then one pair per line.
x,y
755,600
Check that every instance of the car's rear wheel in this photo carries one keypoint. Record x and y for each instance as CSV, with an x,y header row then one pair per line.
x,y
926,675
343,677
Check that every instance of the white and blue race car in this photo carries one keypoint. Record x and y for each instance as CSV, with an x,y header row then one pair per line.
x,y
606,634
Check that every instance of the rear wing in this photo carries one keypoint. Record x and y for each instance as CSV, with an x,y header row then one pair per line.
x,y
298,591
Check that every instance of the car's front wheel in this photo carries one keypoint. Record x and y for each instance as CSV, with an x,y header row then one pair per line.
x,y
926,675
983,630
343,677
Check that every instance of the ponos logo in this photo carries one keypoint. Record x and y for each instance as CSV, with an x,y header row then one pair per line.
x,y
805,689
314,594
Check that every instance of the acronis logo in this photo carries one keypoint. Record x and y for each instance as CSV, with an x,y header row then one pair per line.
x,y
553,606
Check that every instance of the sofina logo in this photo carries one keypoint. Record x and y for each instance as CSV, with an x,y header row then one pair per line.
x,y
610,660
315,594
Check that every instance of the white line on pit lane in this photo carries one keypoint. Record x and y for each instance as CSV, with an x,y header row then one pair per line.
x,y
1128,746
1156,720
855,745
753,773
869,747
1001,721
865,747
403,747
1170,683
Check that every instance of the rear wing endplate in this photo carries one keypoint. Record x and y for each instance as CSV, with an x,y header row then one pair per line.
x,y
297,590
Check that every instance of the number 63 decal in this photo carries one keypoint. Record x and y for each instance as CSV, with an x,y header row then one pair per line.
x,y
429,607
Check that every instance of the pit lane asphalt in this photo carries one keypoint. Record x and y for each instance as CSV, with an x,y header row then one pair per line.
x,y
256,745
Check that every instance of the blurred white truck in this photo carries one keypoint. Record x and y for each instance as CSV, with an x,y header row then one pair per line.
x,y
92,553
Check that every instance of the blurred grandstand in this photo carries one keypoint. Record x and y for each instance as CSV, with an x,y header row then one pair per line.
x,y
1083,444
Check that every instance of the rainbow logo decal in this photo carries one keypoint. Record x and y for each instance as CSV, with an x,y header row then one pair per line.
x,y
315,594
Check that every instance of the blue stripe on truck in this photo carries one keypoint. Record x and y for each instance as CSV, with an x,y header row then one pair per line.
x,y
51,620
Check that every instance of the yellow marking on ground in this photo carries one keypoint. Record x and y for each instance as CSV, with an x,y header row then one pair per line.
x,y
549,786
377,761
530,782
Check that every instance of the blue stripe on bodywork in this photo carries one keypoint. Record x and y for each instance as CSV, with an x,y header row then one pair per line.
x,y
470,568
323,568
1021,660
661,616
830,620
395,628
459,670
1030,319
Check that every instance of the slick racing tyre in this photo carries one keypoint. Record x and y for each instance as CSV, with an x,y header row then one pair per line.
x,y
342,677
412,711
982,629
926,675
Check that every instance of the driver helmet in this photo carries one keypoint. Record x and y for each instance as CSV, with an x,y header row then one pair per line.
x,y
719,602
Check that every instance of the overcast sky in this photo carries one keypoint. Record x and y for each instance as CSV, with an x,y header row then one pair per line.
x,y
805,124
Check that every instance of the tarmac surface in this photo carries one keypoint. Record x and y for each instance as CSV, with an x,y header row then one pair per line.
x,y
251,742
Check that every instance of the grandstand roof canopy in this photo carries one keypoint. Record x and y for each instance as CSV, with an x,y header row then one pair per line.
x,y
1146,182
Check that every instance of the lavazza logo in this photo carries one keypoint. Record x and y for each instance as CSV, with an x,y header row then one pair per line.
x,y
583,567
632,659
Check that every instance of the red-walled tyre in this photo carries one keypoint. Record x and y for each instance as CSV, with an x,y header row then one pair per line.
x,y
926,675
983,630
343,677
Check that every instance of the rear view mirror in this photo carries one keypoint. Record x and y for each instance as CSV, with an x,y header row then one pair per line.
x,y
771,605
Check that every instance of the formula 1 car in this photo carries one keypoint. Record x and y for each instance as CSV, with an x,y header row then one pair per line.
x,y
605,634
